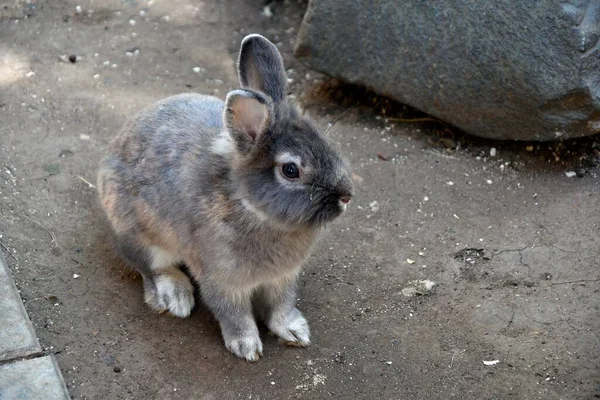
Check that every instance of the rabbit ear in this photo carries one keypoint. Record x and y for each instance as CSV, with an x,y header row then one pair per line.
x,y
246,117
261,67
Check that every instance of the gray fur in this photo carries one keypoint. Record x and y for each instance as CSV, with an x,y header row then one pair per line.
x,y
178,185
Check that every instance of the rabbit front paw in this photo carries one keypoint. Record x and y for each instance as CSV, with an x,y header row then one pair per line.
x,y
293,329
247,346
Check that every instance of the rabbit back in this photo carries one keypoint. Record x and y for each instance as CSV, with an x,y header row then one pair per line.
x,y
143,180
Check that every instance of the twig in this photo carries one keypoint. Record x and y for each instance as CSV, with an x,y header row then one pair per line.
x,y
569,282
328,130
9,252
85,181
43,227
409,120
454,355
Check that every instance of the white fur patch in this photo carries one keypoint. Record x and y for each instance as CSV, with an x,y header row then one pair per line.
x,y
293,329
247,345
258,213
285,158
223,145
174,295
162,259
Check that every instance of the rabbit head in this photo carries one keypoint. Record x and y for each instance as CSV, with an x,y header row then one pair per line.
x,y
284,168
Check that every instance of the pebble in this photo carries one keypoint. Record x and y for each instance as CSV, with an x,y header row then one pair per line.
x,y
267,12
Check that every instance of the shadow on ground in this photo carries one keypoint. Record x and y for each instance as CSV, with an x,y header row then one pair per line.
x,y
509,238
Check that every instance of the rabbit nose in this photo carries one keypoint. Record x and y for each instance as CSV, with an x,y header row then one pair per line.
x,y
345,199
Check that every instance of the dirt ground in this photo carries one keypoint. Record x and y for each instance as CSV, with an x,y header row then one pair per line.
x,y
510,239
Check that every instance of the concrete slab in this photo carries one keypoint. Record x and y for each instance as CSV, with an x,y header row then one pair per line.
x,y
38,378
17,337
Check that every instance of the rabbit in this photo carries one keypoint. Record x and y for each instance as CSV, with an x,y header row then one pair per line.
x,y
237,191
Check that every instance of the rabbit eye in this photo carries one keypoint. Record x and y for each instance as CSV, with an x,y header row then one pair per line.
x,y
290,170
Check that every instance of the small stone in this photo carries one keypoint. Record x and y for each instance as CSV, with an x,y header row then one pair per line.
x,y
132,22
493,152
570,174
52,169
96,76
196,70
78,9
529,148
73,58
117,369
418,287
374,206
30,74
75,276
83,136
450,183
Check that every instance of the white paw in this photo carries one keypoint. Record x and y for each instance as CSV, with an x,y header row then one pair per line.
x,y
292,328
172,293
248,347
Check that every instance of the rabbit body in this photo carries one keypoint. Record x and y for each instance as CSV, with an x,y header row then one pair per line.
x,y
237,190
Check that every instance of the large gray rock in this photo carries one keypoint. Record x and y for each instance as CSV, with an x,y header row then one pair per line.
x,y
503,69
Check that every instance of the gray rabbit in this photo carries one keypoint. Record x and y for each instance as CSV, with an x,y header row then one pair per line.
x,y
238,191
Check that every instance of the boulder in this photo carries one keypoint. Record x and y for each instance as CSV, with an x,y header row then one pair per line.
x,y
502,69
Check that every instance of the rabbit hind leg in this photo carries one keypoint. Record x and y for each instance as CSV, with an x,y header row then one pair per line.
x,y
166,287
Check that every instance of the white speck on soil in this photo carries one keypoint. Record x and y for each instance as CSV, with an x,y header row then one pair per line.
x,y
267,12
374,206
570,174
492,362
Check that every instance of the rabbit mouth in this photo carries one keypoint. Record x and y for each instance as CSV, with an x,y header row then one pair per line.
x,y
329,208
